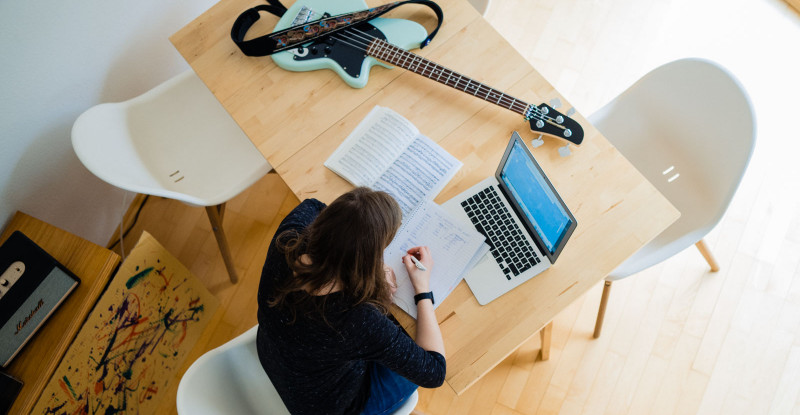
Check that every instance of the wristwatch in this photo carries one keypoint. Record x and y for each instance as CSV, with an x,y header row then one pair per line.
x,y
422,296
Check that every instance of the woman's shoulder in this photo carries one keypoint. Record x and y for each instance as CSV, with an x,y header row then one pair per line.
x,y
365,318
301,216
306,211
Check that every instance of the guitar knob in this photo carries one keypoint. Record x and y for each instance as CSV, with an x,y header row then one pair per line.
x,y
559,119
327,50
540,124
567,133
313,50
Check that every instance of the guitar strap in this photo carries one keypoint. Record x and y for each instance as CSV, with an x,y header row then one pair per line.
x,y
295,36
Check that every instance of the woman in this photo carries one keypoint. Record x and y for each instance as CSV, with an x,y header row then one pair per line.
x,y
325,337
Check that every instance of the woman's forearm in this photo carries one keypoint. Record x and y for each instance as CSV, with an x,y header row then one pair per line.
x,y
429,336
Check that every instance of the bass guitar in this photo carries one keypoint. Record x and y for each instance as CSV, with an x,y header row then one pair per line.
x,y
383,41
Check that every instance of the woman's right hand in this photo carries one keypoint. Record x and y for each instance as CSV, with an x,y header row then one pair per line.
x,y
419,279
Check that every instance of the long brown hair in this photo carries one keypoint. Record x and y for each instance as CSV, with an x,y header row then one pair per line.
x,y
345,245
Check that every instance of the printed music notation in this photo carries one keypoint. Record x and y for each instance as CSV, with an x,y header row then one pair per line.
x,y
387,152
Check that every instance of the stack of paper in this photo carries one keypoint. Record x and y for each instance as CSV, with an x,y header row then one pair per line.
x,y
387,152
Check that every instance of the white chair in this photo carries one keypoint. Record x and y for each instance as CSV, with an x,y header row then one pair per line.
x,y
230,380
689,127
174,141
481,5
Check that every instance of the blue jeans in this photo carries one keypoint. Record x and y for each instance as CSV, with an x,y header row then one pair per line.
x,y
387,390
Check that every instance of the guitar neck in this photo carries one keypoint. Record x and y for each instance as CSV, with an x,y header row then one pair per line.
x,y
385,51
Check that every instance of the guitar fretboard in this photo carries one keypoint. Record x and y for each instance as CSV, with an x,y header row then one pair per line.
x,y
400,57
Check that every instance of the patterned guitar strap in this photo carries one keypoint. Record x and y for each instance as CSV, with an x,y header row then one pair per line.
x,y
295,36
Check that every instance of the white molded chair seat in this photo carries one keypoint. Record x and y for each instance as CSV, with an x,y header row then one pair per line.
x,y
689,128
230,380
174,141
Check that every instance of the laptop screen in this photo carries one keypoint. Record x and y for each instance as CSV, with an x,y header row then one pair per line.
x,y
536,198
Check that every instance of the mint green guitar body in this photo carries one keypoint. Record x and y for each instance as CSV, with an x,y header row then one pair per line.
x,y
400,32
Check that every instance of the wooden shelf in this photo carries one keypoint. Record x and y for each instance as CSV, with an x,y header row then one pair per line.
x,y
94,266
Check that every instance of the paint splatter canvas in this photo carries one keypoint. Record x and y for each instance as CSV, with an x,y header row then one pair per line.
x,y
135,339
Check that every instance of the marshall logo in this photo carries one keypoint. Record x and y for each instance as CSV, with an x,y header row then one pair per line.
x,y
21,325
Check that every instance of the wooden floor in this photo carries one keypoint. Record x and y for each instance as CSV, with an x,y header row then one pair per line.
x,y
677,339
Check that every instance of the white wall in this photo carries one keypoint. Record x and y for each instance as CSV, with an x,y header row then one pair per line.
x,y
58,58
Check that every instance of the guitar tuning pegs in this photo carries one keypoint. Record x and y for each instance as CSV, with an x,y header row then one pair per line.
x,y
570,111
539,124
537,142
564,151
555,102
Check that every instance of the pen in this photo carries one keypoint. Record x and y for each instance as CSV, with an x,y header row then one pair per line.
x,y
418,264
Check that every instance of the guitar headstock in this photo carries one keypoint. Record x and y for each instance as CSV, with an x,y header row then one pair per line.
x,y
546,120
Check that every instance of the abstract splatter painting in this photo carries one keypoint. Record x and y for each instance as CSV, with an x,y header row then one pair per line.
x,y
135,339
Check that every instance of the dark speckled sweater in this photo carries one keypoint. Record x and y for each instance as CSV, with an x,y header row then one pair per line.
x,y
321,368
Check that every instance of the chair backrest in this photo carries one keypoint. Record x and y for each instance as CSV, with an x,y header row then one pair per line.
x,y
689,128
482,6
229,380
175,141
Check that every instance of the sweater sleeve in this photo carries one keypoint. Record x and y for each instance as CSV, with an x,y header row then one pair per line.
x,y
384,342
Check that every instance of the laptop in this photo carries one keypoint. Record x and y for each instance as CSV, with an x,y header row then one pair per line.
x,y
525,222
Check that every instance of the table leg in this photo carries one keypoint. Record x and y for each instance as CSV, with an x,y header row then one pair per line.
x,y
215,214
546,333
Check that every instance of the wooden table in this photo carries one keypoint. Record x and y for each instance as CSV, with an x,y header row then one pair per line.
x,y
297,119
91,263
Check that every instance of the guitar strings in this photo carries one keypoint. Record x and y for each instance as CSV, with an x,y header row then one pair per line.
x,y
363,41
509,102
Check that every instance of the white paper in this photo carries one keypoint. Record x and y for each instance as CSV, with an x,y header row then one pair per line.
x,y
455,249
372,146
386,152
420,172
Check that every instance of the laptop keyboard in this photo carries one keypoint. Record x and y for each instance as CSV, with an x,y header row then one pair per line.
x,y
506,240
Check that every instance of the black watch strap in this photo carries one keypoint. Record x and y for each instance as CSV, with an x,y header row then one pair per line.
x,y
421,296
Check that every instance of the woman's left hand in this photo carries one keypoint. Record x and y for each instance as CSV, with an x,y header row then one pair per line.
x,y
390,278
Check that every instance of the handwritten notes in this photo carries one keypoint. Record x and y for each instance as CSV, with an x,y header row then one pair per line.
x,y
455,251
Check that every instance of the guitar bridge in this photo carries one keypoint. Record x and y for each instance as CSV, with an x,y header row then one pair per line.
x,y
345,48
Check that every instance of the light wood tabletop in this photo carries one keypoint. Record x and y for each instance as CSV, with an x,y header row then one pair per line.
x,y
297,119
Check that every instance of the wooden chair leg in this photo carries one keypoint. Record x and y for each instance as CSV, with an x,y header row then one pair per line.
x,y
215,214
701,245
546,333
601,313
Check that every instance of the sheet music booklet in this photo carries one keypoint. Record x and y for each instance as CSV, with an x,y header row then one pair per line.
x,y
387,152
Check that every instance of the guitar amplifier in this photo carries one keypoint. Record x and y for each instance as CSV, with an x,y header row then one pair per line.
x,y
32,285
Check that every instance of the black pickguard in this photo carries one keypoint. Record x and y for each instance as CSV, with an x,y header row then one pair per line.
x,y
340,49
